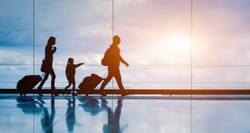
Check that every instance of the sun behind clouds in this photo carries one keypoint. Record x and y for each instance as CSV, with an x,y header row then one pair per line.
x,y
175,44
178,42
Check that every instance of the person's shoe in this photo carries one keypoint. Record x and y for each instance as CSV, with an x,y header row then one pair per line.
x,y
124,93
55,93
103,93
39,88
53,90
39,91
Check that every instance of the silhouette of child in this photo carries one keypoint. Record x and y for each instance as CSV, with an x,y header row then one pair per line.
x,y
70,72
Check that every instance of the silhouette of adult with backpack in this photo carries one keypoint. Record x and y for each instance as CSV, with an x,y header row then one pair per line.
x,y
47,66
112,59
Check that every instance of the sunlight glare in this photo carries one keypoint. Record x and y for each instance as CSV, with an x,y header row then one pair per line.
x,y
178,42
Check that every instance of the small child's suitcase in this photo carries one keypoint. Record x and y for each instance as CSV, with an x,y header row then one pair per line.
x,y
28,82
90,82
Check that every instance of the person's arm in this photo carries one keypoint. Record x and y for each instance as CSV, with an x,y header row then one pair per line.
x,y
119,56
53,50
77,65
123,61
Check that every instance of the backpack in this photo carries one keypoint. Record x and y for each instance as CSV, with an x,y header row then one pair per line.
x,y
107,57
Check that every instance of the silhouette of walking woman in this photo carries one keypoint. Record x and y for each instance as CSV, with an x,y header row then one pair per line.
x,y
47,119
49,51
112,59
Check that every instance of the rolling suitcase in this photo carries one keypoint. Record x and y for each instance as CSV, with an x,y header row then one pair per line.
x,y
28,82
90,82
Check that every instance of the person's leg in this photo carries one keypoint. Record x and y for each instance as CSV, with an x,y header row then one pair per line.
x,y
118,79
53,77
43,81
73,83
105,82
73,88
67,85
66,88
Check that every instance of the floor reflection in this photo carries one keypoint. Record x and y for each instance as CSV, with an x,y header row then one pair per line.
x,y
70,115
30,105
96,114
113,125
93,106
48,118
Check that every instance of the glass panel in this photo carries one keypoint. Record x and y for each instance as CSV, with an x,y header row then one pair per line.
x,y
16,41
220,56
82,30
221,116
155,39
221,44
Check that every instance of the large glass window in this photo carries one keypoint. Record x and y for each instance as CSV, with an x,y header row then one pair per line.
x,y
155,40
169,44
16,41
220,44
83,30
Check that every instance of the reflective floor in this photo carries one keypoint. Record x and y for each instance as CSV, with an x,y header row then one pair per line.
x,y
129,114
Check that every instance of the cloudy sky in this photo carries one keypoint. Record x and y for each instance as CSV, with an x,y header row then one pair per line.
x,y
156,40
